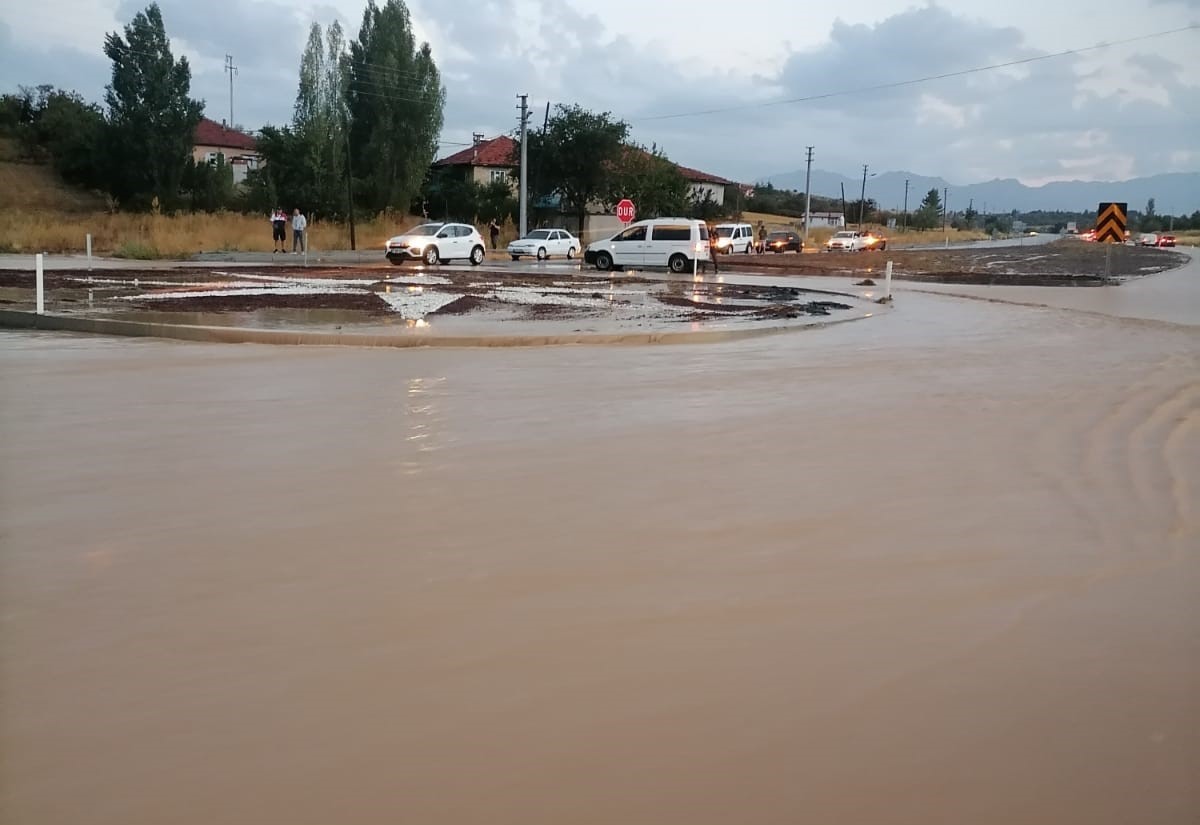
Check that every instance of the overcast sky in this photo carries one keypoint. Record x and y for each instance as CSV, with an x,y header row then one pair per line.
x,y
1124,111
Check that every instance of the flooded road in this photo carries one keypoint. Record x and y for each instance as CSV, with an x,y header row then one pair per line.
x,y
941,567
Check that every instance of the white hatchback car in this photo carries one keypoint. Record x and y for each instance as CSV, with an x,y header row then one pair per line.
x,y
434,243
543,243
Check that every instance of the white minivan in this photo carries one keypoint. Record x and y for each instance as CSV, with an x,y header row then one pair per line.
x,y
735,237
671,242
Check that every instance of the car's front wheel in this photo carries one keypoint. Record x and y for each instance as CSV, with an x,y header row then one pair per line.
x,y
477,254
516,257
431,256
541,254
604,261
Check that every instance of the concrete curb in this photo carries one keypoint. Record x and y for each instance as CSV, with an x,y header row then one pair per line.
x,y
15,319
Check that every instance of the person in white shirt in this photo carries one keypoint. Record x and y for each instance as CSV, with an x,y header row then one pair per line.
x,y
299,224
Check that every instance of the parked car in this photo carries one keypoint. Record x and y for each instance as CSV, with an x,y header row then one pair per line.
x,y
783,241
675,243
1166,240
437,242
544,243
735,237
1148,239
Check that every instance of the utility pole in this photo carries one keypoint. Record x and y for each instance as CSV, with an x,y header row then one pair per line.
x,y
862,199
350,191
232,69
524,193
807,194
905,205
946,212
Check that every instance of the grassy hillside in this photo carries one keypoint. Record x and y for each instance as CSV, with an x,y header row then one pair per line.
x,y
35,186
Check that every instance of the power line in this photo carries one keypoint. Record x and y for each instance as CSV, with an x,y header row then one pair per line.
x,y
900,83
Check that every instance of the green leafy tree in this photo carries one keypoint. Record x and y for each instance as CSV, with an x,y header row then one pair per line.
x,y
152,119
396,100
646,177
929,213
576,157
209,185
62,128
702,205
321,119
285,169
495,201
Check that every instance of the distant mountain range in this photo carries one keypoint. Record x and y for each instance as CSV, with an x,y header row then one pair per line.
x,y
1175,193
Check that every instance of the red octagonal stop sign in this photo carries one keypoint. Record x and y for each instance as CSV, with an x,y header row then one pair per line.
x,y
625,210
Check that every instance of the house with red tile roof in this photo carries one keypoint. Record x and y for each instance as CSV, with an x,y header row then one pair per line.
x,y
487,161
213,140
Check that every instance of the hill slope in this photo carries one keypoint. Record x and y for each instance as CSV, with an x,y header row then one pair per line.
x,y
36,187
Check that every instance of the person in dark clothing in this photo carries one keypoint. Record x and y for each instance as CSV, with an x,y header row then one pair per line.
x,y
713,251
494,231
762,237
279,228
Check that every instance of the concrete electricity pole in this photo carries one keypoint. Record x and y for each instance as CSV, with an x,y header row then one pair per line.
x,y
946,212
232,69
862,199
807,194
905,205
524,193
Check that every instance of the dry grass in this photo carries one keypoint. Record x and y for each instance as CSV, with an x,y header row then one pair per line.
x,y
36,186
174,236
819,235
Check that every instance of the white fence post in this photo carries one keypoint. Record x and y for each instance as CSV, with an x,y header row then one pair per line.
x,y
887,289
89,251
40,285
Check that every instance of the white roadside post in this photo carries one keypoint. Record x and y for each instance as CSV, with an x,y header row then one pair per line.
x,y
89,251
887,289
40,284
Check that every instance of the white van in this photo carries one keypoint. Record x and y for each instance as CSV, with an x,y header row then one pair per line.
x,y
671,242
735,237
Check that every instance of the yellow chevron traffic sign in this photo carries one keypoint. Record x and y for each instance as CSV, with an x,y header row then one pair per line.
x,y
1110,222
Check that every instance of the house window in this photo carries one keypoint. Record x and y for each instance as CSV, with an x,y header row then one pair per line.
x,y
499,176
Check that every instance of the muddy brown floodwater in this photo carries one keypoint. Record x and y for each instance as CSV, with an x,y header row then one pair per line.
x,y
940,567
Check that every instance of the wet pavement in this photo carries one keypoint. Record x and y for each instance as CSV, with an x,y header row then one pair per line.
x,y
937,568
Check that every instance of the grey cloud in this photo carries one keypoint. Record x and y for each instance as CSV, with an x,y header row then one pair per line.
x,y
66,68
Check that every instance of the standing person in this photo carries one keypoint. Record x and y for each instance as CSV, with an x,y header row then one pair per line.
x,y
494,231
279,229
762,237
299,225
713,250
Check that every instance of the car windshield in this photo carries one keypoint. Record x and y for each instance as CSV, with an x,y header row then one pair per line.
x,y
778,236
425,229
538,235
844,235
724,231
